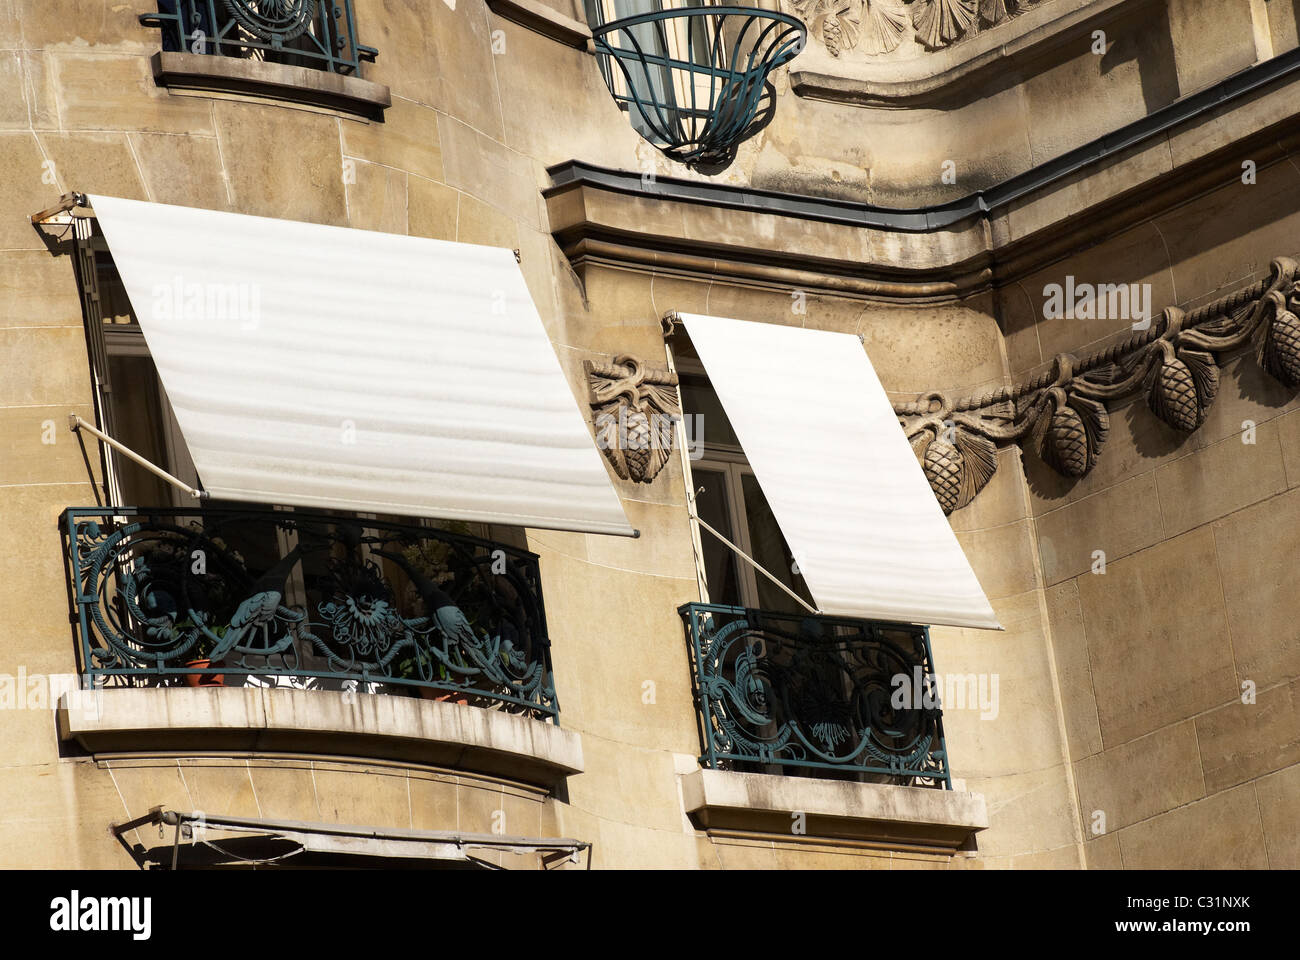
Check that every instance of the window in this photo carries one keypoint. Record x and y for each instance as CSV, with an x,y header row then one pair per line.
x,y
665,99
730,500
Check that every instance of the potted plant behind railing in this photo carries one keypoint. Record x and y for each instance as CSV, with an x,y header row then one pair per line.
x,y
409,669
202,651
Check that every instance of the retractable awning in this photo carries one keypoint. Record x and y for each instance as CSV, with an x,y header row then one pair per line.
x,y
291,842
321,366
841,478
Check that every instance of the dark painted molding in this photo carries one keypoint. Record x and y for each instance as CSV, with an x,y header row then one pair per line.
x,y
939,216
540,18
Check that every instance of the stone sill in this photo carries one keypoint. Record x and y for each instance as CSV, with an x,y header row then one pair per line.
x,y
841,809
951,73
272,81
278,720
540,18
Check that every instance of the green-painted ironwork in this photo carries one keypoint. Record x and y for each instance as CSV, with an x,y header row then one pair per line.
x,y
809,694
312,33
308,600
694,79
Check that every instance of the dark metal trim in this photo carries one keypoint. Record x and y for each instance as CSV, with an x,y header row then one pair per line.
x,y
938,216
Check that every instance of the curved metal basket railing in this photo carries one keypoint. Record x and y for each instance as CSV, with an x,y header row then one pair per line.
x,y
693,80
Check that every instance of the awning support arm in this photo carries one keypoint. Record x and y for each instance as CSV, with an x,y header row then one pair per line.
x,y
697,549
76,424
669,323
753,563
63,212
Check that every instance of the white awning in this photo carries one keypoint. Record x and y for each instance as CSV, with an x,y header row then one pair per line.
x,y
320,366
869,537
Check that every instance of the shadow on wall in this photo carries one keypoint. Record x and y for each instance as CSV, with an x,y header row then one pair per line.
x,y
1150,42
1152,438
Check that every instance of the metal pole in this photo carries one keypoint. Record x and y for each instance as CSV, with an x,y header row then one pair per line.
x,y
696,546
75,423
755,564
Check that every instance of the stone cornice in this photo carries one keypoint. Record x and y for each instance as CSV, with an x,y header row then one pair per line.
x,y
953,250
949,75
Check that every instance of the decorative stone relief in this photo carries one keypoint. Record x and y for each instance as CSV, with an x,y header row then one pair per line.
x,y
635,410
1062,414
875,27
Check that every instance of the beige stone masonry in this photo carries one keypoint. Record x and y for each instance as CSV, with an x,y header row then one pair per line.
x,y
720,799
270,720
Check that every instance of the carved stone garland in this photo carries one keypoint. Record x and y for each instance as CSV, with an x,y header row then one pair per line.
x,y
879,26
1062,414
634,409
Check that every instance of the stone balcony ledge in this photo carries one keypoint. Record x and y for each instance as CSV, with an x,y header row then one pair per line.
x,y
841,809
278,720
272,81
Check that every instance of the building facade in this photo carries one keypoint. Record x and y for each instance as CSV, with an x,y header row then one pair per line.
x,y
1062,232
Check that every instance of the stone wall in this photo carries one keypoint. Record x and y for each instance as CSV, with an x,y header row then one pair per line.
x,y
1193,529
1197,533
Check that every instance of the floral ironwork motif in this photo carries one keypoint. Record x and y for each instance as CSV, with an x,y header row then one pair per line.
x,y
634,410
814,693
273,19
330,600
1063,413
876,27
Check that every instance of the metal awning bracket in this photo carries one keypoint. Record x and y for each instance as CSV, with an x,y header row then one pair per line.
x,y
70,208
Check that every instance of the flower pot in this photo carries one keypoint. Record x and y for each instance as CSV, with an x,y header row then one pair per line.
x,y
445,696
203,679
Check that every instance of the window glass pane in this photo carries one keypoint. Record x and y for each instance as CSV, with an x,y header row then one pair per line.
x,y
137,421
114,306
720,568
771,551
700,402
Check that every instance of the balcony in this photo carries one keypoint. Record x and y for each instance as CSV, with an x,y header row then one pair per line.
x,y
301,33
819,700
815,696
301,51
306,601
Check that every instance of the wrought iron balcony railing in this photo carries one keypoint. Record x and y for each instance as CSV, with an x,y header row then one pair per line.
x,y
780,692
694,78
307,33
277,598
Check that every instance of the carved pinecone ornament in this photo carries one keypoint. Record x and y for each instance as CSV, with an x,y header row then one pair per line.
x,y
637,449
1184,386
1067,443
956,462
1074,434
831,33
1280,352
942,466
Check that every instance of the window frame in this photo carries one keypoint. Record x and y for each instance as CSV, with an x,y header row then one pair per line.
x,y
729,460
